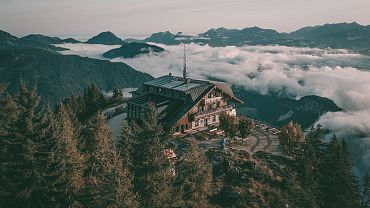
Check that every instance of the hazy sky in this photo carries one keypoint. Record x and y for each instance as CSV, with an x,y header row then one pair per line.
x,y
129,17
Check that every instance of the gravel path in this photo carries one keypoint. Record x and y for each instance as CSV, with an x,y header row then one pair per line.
x,y
259,140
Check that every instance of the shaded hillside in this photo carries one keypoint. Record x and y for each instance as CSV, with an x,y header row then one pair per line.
x,y
130,50
58,76
106,38
163,37
279,111
9,41
342,35
43,39
71,40
48,40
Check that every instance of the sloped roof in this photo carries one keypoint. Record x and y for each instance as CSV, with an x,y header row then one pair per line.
x,y
185,107
226,88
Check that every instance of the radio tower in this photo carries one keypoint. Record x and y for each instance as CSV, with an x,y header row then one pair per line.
x,y
185,70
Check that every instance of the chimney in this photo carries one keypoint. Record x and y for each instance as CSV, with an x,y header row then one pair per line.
x,y
184,72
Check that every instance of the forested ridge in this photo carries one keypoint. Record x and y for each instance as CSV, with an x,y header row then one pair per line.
x,y
58,158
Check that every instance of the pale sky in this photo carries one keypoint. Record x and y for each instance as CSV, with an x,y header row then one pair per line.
x,y
79,18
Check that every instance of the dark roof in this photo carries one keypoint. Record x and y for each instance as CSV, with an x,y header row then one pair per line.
x,y
166,106
185,107
176,83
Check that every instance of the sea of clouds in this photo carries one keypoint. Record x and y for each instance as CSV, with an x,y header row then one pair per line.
x,y
338,74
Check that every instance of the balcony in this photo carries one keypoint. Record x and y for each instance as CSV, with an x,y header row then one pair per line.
x,y
214,111
212,100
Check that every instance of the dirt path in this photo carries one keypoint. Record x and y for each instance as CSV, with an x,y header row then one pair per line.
x,y
259,140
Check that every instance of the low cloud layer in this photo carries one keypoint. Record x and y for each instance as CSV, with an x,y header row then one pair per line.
x,y
86,50
340,75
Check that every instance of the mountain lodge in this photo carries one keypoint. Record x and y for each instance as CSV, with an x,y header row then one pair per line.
x,y
184,104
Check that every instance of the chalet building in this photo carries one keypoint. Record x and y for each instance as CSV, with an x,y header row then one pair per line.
x,y
184,104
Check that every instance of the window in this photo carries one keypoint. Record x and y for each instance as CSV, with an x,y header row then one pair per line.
x,y
214,118
196,123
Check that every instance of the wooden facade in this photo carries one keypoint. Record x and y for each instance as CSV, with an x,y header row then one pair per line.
x,y
207,112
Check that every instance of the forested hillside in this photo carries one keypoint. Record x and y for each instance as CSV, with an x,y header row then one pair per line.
x,y
51,159
58,76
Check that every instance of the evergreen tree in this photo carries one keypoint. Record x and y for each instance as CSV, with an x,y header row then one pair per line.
x,y
245,126
72,161
337,186
151,169
93,99
23,170
22,178
365,198
194,178
51,166
228,125
290,136
308,163
106,183
125,142
8,113
117,94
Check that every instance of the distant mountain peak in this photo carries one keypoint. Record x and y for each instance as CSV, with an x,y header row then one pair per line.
x,y
106,38
43,39
131,50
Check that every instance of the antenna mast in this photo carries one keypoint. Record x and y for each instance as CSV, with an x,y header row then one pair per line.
x,y
185,70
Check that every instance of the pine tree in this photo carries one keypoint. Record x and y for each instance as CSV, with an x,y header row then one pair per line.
x,y
105,186
125,142
228,125
365,195
93,99
194,178
20,171
338,185
151,169
51,165
72,161
290,137
245,126
308,162
8,113
117,94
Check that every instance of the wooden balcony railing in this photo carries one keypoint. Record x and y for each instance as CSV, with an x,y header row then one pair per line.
x,y
215,110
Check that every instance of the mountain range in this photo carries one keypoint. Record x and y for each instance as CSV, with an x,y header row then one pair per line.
x,y
342,35
10,41
48,40
57,76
